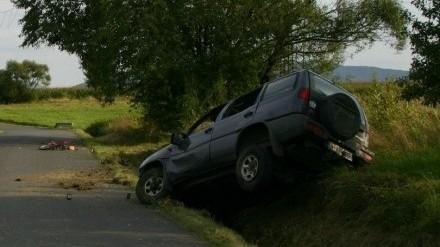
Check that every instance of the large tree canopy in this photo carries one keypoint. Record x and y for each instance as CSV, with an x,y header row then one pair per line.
x,y
425,71
177,58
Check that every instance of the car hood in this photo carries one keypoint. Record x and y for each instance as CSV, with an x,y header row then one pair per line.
x,y
160,154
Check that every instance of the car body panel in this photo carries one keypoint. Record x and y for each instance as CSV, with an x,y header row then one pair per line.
x,y
225,136
195,157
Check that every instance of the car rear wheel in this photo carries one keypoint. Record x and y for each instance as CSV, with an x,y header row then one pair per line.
x,y
152,186
254,167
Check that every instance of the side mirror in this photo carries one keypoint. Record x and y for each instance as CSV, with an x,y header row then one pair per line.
x,y
179,139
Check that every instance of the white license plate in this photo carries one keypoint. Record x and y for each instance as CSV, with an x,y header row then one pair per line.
x,y
344,153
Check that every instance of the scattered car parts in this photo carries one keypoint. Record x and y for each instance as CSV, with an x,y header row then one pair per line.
x,y
59,145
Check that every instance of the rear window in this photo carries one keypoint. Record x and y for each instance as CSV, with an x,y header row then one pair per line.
x,y
280,86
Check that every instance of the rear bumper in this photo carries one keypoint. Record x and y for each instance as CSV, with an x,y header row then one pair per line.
x,y
315,144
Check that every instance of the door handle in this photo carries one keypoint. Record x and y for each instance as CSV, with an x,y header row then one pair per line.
x,y
248,115
209,130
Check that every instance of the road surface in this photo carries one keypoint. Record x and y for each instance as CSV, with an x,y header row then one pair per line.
x,y
36,212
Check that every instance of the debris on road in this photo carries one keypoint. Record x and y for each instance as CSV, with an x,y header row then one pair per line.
x,y
69,197
18,180
59,145
80,180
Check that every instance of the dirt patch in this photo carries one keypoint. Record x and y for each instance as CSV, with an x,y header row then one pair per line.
x,y
81,180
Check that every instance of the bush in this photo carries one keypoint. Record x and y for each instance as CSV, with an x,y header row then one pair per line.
x,y
98,129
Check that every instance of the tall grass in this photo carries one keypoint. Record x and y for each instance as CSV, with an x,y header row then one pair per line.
x,y
397,125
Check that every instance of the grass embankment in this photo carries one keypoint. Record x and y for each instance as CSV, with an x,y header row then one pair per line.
x,y
117,138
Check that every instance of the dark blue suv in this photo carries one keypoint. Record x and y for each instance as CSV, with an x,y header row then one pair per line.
x,y
302,116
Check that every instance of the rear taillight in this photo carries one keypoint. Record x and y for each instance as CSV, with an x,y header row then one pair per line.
x,y
304,94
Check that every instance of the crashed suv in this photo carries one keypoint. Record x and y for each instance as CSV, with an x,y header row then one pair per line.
x,y
302,116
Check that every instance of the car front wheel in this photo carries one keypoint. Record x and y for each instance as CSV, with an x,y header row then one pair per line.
x,y
254,167
152,186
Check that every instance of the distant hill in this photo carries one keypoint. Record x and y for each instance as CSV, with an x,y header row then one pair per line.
x,y
350,73
366,74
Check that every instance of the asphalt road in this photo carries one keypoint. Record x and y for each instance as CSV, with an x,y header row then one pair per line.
x,y
35,212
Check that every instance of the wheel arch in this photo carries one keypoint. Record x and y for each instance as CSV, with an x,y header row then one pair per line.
x,y
151,164
256,133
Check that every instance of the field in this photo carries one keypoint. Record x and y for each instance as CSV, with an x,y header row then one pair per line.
x,y
82,112
394,202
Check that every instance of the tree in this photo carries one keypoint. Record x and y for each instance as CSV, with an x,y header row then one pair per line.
x,y
19,79
29,73
425,39
177,58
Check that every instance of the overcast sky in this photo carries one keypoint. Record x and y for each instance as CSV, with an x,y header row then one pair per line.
x,y
65,69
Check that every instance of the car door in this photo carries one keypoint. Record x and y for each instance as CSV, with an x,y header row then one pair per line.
x,y
192,158
227,128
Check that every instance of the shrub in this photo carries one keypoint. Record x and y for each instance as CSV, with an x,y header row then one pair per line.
x,y
98,129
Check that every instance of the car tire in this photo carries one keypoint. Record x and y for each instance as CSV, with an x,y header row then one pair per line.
x,y
254,167
152,186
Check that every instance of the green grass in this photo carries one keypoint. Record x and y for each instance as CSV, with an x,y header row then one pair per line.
x,y
82,113
202,223
394,203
